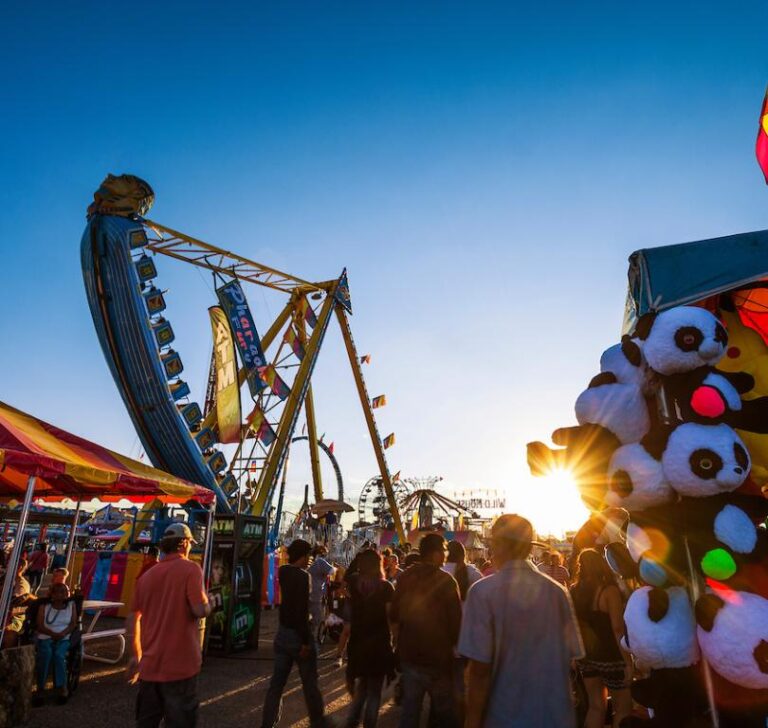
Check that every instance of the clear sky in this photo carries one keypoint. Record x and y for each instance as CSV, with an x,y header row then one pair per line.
x,y
483,170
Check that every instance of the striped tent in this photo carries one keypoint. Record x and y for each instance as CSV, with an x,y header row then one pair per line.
x,y
65,465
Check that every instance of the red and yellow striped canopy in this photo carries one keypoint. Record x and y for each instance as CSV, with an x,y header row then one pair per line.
x,y
69,466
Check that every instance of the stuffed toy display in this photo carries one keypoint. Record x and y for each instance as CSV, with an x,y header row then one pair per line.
x,y
664,435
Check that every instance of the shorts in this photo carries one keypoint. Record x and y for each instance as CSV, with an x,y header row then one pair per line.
x,y
613,674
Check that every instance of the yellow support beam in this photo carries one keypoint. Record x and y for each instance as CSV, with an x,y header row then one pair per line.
x,y
309,410
314,450
365,401
277,452
177,245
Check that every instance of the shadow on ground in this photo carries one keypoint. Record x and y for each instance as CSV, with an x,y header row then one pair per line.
x,y
231,692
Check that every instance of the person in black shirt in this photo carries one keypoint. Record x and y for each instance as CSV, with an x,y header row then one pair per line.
x,y
293,641
426,609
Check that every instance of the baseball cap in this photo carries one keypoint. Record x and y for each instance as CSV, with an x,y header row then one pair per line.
x,y
512,527
178,530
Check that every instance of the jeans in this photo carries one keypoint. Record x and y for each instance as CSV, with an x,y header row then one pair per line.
x,y
287,646
52,651
419,681
175,702
367,695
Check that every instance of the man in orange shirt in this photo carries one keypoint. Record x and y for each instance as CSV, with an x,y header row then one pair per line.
x,y
163,630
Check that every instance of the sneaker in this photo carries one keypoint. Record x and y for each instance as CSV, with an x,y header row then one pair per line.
x,y
62,696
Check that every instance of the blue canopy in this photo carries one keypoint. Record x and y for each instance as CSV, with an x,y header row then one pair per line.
x,y
675,275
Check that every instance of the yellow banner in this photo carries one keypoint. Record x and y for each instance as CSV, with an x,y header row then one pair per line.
x,y
228,413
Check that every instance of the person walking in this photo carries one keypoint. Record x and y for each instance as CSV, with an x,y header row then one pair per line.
x,y
426,610
456,565
552,566
520,636
368,638
320,570
600,609
293,641
164,634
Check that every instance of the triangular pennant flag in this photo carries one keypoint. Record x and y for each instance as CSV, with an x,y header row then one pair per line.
x,y
396,477
389,440
276,384
258,423
330,448
379,401
307,312
365,359
293,340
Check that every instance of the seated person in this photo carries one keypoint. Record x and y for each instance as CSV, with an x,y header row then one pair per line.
x,y
22,595
55,622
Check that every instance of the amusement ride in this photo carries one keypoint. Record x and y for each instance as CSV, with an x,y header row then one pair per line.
x,y
252,406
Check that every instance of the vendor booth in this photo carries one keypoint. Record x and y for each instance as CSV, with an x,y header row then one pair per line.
x,y
38,460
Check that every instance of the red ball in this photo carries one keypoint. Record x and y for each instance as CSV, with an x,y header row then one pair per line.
x,y
707,402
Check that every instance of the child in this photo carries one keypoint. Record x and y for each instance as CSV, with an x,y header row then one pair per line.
x,y
55,622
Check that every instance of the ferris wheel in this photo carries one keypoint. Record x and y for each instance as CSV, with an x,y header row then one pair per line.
x,y
373,506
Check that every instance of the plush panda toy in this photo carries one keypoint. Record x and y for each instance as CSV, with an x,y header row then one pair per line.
x,y
733,636
619,408
680,339
704,460
636,479
661,629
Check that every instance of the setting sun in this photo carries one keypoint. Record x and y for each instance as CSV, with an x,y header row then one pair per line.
x,y
551,503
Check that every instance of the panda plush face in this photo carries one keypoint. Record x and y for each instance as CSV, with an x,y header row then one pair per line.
x,y
705,460
681,339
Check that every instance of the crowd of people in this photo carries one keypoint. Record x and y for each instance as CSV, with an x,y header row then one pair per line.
x,y
500,643
491,643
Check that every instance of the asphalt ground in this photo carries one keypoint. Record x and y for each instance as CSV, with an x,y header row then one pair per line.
x,y
231,690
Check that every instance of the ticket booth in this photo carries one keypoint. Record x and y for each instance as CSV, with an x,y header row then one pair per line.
x,y
237,562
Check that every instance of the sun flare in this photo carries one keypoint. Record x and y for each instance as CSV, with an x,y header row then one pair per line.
x,y
552,503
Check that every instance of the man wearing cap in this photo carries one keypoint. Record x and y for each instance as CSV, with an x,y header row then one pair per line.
x,y
163,632
520,636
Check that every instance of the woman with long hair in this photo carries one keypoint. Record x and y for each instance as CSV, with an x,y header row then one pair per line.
x,y
369,650
599,608
456,565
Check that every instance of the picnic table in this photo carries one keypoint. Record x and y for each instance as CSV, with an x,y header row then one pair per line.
x,y
97,607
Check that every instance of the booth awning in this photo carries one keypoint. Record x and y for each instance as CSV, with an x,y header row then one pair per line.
x,y
675,275
69,466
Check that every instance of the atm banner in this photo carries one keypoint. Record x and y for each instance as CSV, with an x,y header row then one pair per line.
x,y
232,300
228,415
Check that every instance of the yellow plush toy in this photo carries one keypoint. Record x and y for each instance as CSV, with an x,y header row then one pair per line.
x,y
747,352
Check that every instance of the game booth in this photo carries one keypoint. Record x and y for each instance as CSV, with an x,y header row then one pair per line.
x,y
41,461
671,455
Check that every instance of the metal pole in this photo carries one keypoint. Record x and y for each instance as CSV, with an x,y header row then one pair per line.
x,y
73,535
695,592
208,550
13,563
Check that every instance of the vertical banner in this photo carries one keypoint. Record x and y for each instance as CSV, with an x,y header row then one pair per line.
x,y
228,413
232,300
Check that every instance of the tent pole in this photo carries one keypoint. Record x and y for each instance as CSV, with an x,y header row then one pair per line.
x,y
208,550
73,535
13,563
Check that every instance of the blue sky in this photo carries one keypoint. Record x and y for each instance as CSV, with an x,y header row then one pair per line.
x,y
483,170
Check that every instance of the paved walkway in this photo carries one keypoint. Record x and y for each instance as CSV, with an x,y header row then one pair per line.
x,y
231,693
